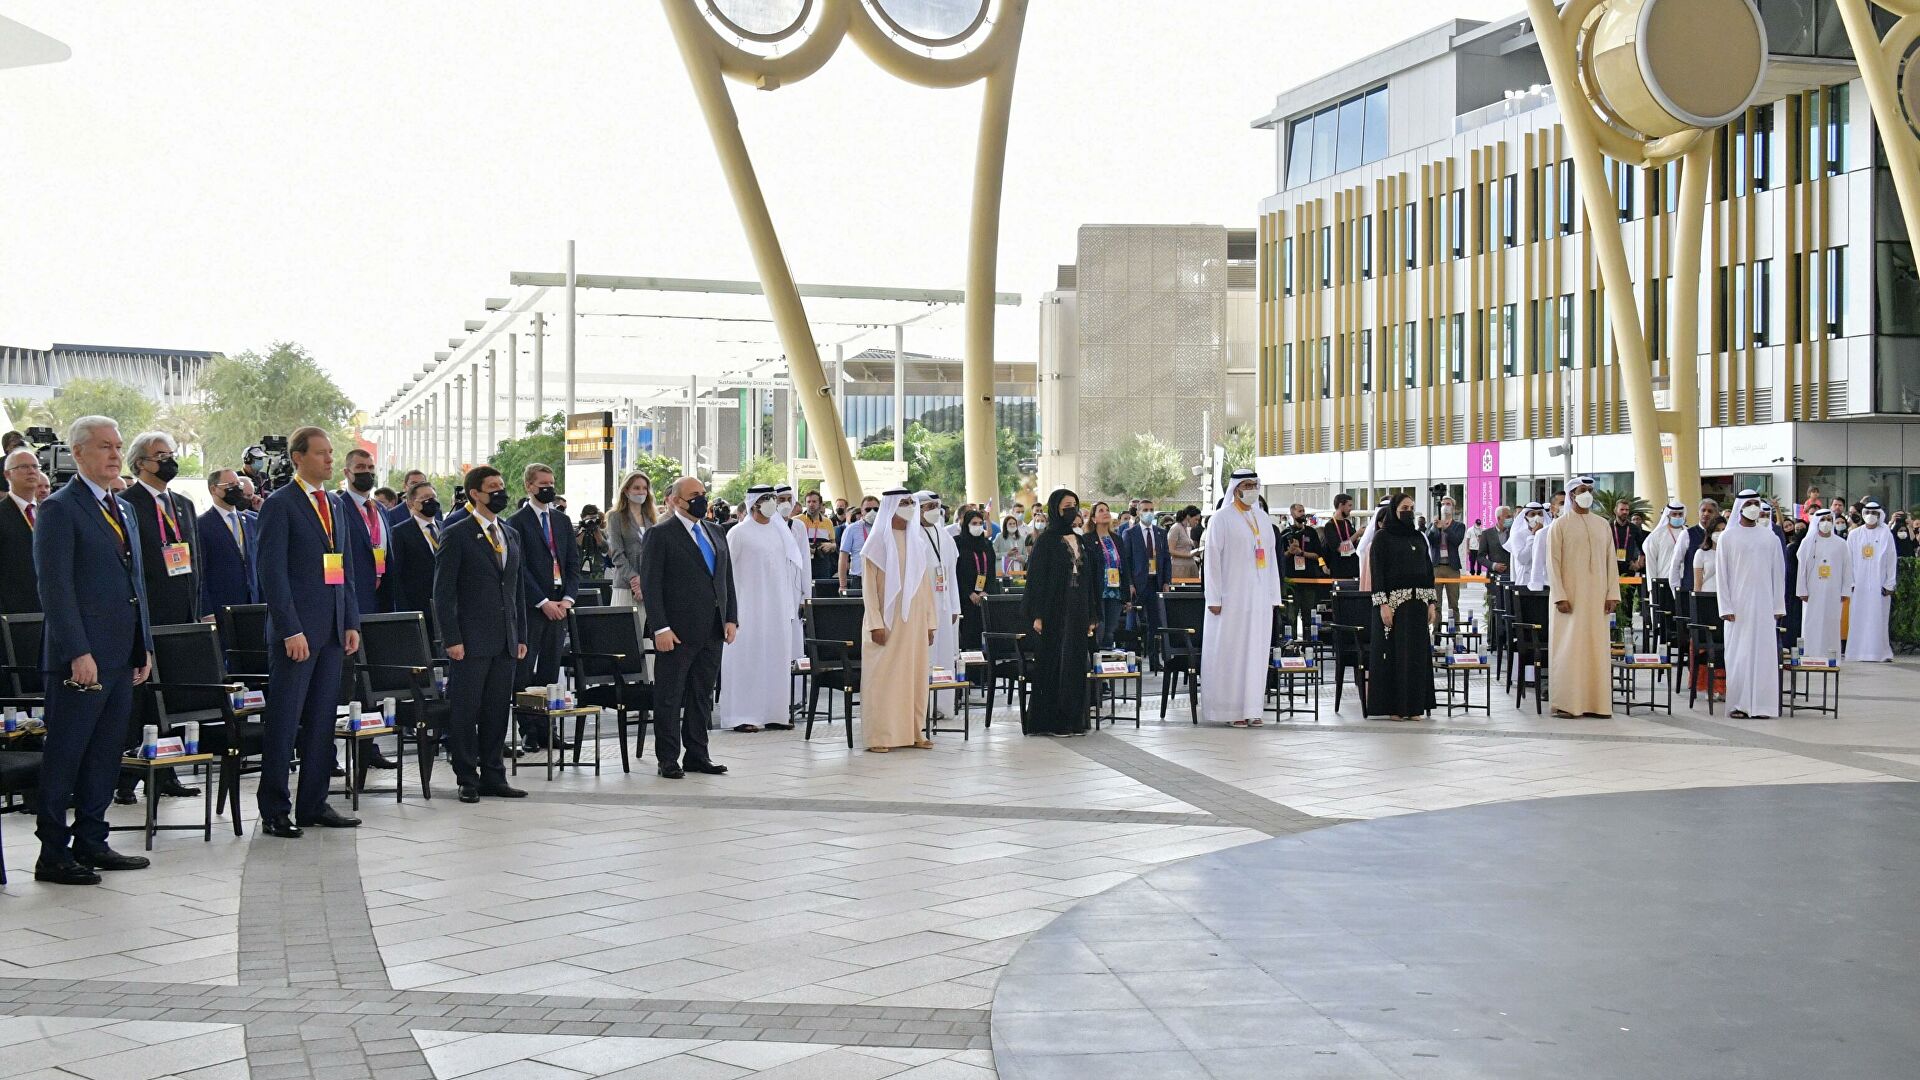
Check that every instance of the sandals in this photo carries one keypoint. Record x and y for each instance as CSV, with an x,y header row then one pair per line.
x,y
1738,715
922,744
777,727
1239,723
879,749
747,728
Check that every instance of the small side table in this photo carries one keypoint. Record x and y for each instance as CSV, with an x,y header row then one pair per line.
x,y
1792,692
148,769
355,743
1456,695
1626,682
553,719
962,708
1112,687
1287,683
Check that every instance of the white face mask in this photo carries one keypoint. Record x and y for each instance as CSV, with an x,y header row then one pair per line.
x,y
768,509
1534,522
936,516
637,498
977,529
1677,520
904,512
1826,528
1870,518
1583,500
1751,512
1446,513
1244,497
869,515
782,509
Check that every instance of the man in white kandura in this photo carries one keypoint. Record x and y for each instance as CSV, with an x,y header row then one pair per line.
x,y
1875,571
1826,575
1582,579
1752,565
1666,540
769,583
1528,549
1242,584
943,555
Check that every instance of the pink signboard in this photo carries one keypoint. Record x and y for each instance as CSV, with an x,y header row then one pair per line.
x,y
1483,481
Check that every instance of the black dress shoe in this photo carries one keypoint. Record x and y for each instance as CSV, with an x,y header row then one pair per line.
x,y
109,859
709,768
282,828
469,793
502,791
381,761
672,772
126,798
65,872
174,789
331,819
338,772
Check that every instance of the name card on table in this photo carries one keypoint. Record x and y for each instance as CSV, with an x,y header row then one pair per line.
x,y
972,657
1644,658
1817,662
1111,667
171,746
1294,663
249,699
939,674
1457,659
803,664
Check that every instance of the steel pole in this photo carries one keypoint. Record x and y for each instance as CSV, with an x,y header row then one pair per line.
x,y
900,393
473,415
493,402
572,330
539,365
513,386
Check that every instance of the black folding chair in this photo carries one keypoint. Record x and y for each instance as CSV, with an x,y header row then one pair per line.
x,y
190,684
1351,635
826,588
608,659
592,594
19,773
24,636
1706,647
243,632
1180,645
833,652
1529,632
397,661
1008,648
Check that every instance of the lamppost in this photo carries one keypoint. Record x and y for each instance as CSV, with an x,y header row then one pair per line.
x,y
946,44
1643,82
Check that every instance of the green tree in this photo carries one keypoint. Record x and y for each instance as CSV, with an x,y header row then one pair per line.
x,y
761,470
1143,467
1239,448
249,395
22,413
938,462
1604,502
545,441
661,472
134,411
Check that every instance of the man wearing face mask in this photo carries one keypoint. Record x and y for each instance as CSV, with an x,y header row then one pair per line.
x,y
1680,572
1825,577
1242,588
1445,541
901,619
1875,571
1495,557
1583,586
1664,544
852,539
170,557
686,574
1751,568
1528,548
770,578
229,534
550,576
415,541
944,556
366,529
476,598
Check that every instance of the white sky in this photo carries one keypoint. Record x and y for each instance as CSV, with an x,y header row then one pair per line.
x,y
358,176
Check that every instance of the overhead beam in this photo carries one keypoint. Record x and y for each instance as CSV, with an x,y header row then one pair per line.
x,y
620,282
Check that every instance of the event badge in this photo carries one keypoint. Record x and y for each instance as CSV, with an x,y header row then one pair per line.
x,y
1826,571
1259,557
979,583
379,560
1346,547
1867,551
1113,577
1619,554
1299,563
939,579
333,566
1153,567
178,559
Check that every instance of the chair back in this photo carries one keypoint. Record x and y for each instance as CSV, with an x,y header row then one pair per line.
x,y
606,630
188,653
1705,608
593,594
826,588
389,641
1185,610
1352,627
243,629
834,620
1002,614
25,641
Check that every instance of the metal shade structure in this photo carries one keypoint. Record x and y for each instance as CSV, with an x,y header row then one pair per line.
x,y
23,46
1645,60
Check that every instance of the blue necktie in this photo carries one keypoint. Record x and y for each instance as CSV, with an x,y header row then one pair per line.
x,y
706,545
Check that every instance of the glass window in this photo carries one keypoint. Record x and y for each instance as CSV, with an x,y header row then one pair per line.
x,y
1326,255
1366,361
1565,195
1896,283
1353,121
1286,266
1366,246
1509,338
1763,148
1374,146
1326,124
1456,346
1411,238
1624,178
1286,372
1457,222
1410,355
1300,151
1763,302
1737,306
1326,368
1564,317
1836,102
1833,291
1789,26
1510,210
1656,320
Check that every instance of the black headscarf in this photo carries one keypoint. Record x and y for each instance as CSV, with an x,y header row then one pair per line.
x,y
965,541
1390,519
1059,526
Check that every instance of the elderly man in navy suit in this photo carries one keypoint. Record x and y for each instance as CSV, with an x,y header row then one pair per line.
x,y
98,648
230,537
313,625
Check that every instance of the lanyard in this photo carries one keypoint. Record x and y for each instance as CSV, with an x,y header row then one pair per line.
x,y
113,519
322,512
164,518
1107,549
499,551
546,527
433,542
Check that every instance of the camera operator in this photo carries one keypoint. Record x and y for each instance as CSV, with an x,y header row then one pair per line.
x,y
253,465
19,588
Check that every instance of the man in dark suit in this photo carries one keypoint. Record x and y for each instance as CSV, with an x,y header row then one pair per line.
x,y
415,541
1143,553
169,538
402,511
98,649
476,593
367,530
19,591
550,572
313,625
692,613
230,546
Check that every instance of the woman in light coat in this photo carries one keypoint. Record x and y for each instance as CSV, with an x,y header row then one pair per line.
x,y
627,524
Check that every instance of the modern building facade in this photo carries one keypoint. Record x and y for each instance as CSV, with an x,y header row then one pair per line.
x,y
1152,330
171,376
1430,312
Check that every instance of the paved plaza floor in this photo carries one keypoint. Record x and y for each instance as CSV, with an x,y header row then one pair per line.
x,y
850,916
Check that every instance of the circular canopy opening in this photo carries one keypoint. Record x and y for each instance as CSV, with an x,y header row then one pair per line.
x,y
932,22
760,20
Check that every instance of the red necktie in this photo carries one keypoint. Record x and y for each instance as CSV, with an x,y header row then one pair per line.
x,y
373,529
30,521
326,515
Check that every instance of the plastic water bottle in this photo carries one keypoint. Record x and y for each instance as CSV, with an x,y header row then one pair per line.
x,y
190,735
149,742
11,720
389,708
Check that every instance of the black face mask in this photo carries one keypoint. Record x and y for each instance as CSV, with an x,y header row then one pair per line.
x,y
1406,518
497,501
363,482
430,508
166,470
1067,515
234,497
545,495
697,507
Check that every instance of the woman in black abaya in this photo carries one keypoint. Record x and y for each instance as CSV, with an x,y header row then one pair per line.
x,y
976,573
1062,601
1400,664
